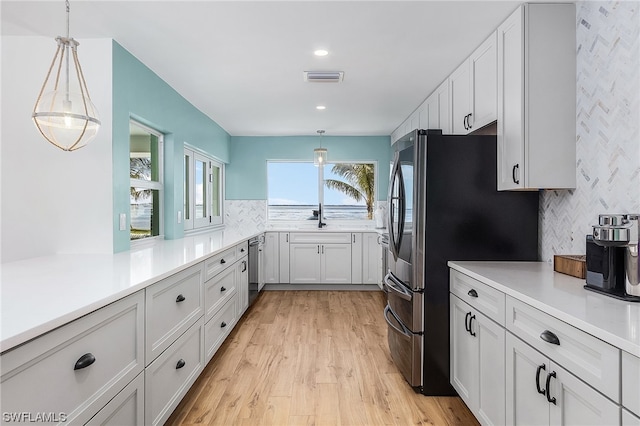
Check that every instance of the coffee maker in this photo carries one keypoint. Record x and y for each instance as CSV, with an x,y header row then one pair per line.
x,y
613,266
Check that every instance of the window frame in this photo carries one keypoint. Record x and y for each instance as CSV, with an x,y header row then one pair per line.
x,y
191,224
150,184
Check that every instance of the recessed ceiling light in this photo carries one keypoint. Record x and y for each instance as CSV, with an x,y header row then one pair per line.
x,y
321,52
321,107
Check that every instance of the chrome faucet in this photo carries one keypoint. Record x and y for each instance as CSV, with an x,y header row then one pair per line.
x,y
320,223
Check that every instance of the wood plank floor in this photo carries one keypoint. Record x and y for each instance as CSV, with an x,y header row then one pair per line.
x,y
311,358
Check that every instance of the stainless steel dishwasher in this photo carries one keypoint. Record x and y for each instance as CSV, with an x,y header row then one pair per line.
x,y
256,281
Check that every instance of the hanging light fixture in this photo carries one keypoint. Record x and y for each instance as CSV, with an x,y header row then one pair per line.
x,y
320,154
64,113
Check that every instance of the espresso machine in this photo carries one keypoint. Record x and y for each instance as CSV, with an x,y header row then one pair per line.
x,y
613,266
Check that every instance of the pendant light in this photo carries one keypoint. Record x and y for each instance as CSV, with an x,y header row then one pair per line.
x,y
320,154
64,113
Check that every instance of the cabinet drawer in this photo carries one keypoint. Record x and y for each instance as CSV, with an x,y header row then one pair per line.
x,y
242,250
629,419
218,290
591,359
218,263
631,382
127,408
320,237
169,377
40,376
487,300
219,327
172,306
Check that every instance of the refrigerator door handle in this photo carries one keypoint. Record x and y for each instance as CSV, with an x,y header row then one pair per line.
x,y
394,244
403,330
394,286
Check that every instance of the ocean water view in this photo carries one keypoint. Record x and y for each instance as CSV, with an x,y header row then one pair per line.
x,y
306,212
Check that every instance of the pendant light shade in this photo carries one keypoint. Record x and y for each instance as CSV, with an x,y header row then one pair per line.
x,y
64,113
320,154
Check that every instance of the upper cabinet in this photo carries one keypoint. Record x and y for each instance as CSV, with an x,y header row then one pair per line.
x,y
536,98
473,89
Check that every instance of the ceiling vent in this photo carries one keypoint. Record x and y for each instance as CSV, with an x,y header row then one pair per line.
x,y
323,76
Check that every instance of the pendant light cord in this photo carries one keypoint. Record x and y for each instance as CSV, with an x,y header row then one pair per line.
x,y
67,6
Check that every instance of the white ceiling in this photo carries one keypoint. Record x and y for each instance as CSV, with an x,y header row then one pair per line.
x,y
242,62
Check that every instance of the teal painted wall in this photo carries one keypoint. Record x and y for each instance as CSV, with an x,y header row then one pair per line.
x,y
246,175
140,94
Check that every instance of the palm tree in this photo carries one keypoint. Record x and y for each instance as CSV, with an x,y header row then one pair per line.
x,y
359,183
140,168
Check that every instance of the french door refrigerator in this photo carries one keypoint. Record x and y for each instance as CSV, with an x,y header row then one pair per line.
x,y
443,205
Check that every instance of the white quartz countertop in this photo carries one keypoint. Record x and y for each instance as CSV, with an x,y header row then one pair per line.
x,y
40,294
536,283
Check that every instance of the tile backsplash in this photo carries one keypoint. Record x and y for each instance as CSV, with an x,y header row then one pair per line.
x,y
607,128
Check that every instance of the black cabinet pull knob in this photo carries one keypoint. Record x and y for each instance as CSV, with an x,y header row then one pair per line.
x,y
540,368
222,261
223,325
84,361
470,321
473,293
549,337
222,289
549,399
466,322
180,298
180,364
242,250
513,174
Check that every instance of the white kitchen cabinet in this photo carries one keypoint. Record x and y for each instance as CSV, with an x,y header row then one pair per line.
x,y
219,327
629,419
477,362
356,257
283,258
371,258
271,250
539,391
219,289
242,277
473,89
127,408
327,263
335,263
305,263
536,98
631,382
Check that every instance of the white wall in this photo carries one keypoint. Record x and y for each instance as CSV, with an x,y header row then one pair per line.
x,y
607,128
53,201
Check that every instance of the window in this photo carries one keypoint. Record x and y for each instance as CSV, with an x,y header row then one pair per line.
x,y
203,183
347,191
146,188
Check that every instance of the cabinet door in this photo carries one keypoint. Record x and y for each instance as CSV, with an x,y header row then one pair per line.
x,y
491,372
284,257
444,107
459,86
127,408
510,130
423,112
484,79
577,403
271,256
464,350
433,113
336,263
525,405
304,263
356,258
242,284
371,258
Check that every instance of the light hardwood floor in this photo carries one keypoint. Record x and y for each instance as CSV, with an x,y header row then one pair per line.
x,y
311,358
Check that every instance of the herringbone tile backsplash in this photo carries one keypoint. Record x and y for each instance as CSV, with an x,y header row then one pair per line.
x,y
607,128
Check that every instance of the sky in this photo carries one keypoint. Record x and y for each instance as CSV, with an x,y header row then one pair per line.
x,y
297,183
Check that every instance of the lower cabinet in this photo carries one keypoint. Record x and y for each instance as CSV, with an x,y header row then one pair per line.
x,y
219,327
169,377
320,263
127,408
371,258
242,275
541,392
477,362
628,419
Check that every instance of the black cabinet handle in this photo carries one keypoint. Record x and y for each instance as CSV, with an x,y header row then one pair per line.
x,y
180,298
549,399
540,368
464,122
84,361
222,289
473,293
470,322
513,174
180,364
244,265
318,249
549,337
223,325
466,322
222,261
468,121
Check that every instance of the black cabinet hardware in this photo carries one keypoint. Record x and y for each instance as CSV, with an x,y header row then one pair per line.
x,y
540,368
222,261
466,322
473,293
242,250
84,361
469,122
244,266
180,364
223,289
180,298
513,174
470,325
549,337
223,325
464,122
549,376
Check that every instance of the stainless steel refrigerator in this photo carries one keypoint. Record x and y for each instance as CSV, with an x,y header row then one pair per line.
x,y
443,205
